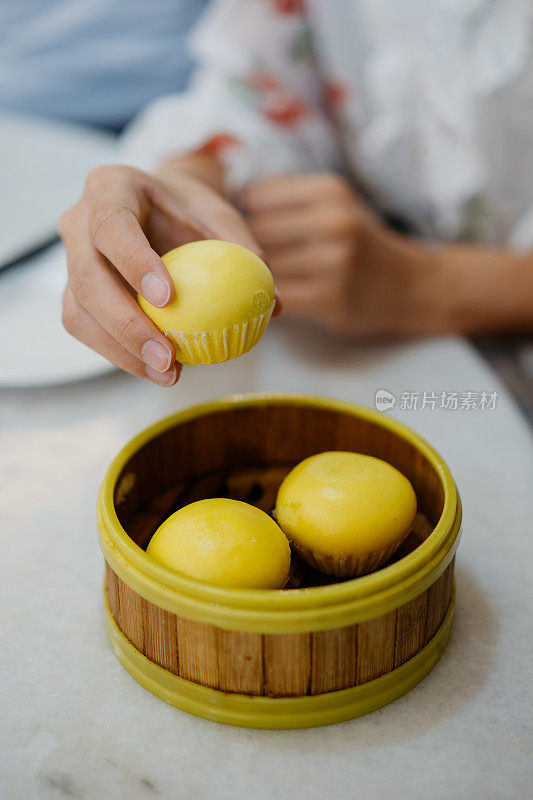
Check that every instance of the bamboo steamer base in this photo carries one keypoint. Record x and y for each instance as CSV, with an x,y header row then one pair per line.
x,y
278,665
278,713
323,649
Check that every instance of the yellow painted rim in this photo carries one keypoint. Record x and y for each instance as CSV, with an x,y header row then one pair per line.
x,y
275,712
276,611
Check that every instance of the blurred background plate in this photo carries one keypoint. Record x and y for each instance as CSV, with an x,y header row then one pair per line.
x,y
35,349
43,167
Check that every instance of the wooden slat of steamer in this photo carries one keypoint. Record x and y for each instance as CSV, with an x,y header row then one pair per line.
x,y
333,659
287,664
410,629
438,599
240,662
197,647
130,615
227,660
160,636
375,647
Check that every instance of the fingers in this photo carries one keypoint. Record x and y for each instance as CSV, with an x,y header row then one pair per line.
x,y
80,324
276,229
319,302
108,255
327,259
199,206
282,191
115,198
296,262
278,306
119,237
313,278
101,291
302,298
287,210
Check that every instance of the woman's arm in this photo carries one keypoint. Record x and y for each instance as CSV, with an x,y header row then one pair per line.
x,y
338,264
484,289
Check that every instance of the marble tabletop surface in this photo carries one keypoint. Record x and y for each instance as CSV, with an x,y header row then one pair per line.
x,y
74,724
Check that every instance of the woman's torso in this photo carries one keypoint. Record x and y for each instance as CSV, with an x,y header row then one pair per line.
x,y
433,105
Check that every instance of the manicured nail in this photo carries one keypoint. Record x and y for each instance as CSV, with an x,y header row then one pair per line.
x,y
156,355
167,379
155,289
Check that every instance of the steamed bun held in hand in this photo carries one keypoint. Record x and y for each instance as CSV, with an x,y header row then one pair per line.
x,y
224,298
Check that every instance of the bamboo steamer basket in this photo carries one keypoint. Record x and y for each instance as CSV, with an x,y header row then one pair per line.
x,y
317,652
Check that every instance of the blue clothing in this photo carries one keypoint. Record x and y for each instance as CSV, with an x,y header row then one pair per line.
x,y
93,61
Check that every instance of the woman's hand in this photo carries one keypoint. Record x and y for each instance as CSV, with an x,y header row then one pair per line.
x,y
113,236
337,264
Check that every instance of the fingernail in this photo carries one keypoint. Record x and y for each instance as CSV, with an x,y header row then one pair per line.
x,y
166,379
155,289
156,355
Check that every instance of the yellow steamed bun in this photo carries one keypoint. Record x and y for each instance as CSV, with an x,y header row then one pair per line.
x,y
224,542
345,513
224,298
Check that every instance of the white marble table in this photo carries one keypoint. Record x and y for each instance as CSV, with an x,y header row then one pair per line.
x,y
74,724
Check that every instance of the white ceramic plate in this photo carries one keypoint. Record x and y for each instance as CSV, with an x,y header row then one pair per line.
x,y
43,165
35,350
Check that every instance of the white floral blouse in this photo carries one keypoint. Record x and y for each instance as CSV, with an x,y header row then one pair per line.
x,y
428,106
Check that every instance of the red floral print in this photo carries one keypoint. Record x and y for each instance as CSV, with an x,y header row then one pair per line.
x,y
289,6
277,103
335,94
285,110
263,80
217,143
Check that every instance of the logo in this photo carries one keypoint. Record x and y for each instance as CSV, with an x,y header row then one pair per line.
x,y
384,400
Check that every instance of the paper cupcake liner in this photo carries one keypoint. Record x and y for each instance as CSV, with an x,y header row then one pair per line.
x,y
347,566
213,347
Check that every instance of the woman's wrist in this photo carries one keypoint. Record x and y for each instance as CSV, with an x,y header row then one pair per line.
x,y
453,288
480,289
413,278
